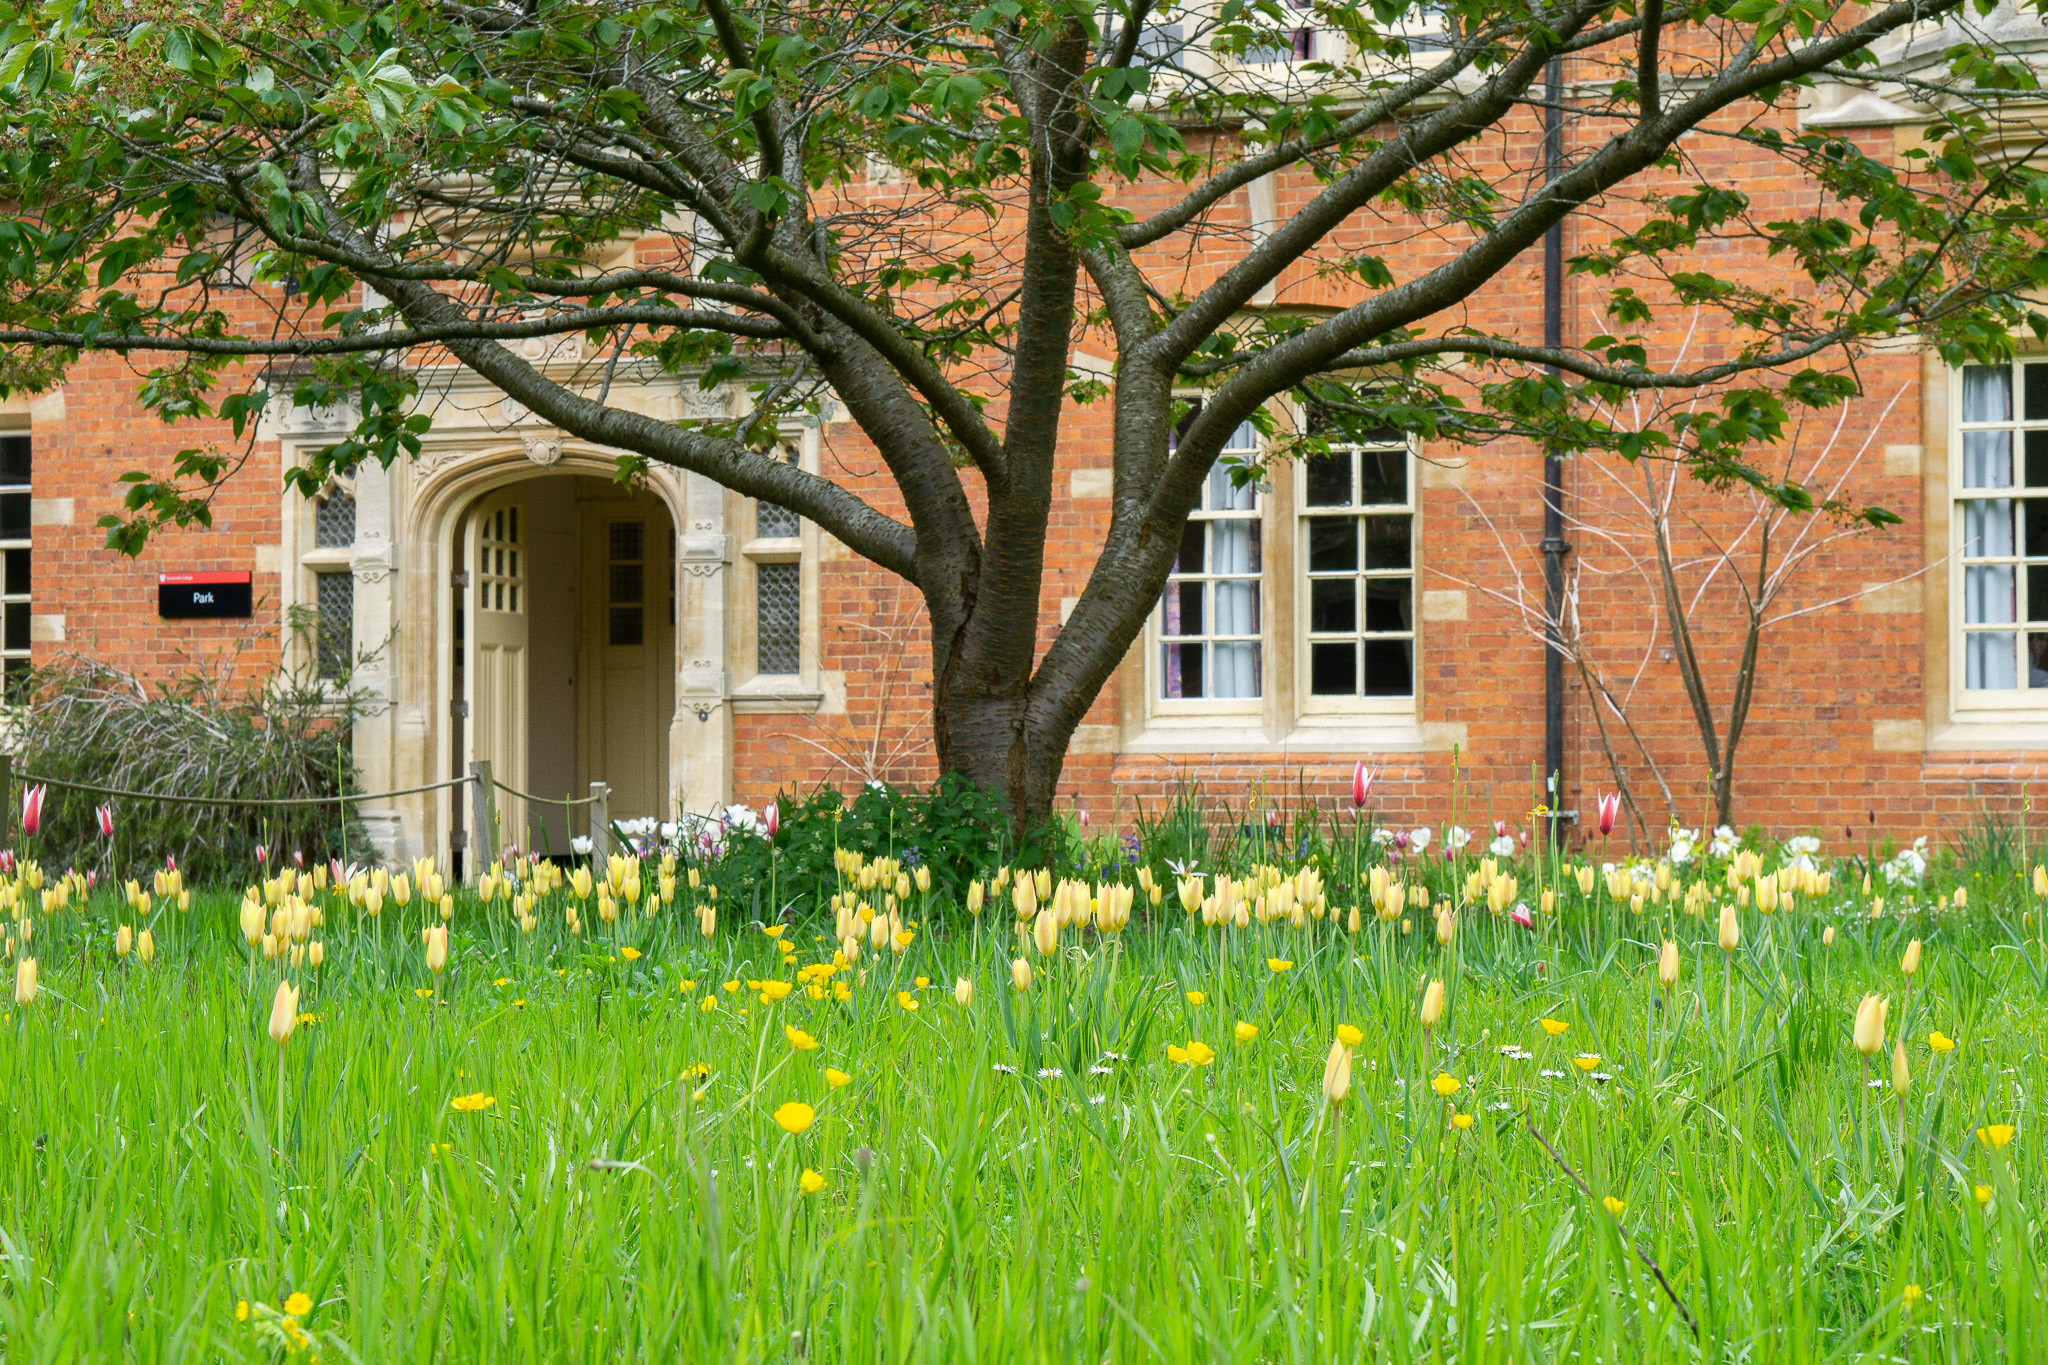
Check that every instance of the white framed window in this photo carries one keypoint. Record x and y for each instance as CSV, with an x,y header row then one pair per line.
x,y
1999,476
17,451
1210,645
329,583
1355,585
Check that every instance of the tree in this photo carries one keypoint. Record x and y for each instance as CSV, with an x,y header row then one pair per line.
x,y
425,179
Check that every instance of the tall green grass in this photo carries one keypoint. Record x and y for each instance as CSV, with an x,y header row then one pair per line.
x,y
990,1195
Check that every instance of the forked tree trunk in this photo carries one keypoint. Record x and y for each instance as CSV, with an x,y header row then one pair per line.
x,y
994,743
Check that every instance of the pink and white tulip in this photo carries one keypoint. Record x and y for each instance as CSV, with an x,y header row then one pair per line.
x,y
32,808
105,815
1610,811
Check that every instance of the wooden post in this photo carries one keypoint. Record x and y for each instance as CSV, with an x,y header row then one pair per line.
x,y
600,826
483,805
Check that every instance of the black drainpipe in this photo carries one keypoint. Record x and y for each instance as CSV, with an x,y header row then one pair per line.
x,y
1554,545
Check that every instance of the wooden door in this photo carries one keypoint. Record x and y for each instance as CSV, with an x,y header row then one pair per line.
x,y
496,667
628,692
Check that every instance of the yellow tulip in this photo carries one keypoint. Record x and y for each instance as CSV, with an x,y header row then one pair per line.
x,y
1020,974
1910,963
1446,925
1730,936
1045,933
1869,1030
1902,1078
1433,1005
315,954
1827,937
145,946
794,1117
1337,1074
25,981
437,947
284,1012
1667,966
963,993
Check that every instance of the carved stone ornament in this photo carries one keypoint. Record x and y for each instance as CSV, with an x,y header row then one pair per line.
x,y
543,450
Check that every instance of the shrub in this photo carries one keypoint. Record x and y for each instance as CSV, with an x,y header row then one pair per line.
x,y
197,734
954,827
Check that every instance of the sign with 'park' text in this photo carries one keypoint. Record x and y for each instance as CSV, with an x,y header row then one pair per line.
x,y
192,596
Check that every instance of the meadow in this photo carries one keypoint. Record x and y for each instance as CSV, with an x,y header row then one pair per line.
x,y
1334,1098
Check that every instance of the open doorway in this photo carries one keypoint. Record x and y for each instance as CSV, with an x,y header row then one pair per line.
x,y
568,651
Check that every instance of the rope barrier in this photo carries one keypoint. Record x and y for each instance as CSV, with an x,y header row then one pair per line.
x,y
542,800
350,799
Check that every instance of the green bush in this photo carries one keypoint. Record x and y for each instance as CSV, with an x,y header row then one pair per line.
x,y
195,735
955,827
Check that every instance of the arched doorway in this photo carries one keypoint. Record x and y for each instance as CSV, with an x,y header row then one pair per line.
x,y
564,646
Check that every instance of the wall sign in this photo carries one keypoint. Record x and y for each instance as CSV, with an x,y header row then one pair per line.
x,y
188,596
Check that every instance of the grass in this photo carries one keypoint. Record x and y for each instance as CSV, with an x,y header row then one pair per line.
x,y
1028,1177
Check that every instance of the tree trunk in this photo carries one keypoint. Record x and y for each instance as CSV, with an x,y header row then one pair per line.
x,y
991,742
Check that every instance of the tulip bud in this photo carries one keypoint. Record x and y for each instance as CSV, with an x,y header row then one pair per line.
x,y
974,894
1446,925
315,954
963,992
1827,937
1337,1073
1433,1005
284,1013
123,941
1910,963
1045,933
25,981
1902,1079
1731,929
1869,1031
437,948
145,946
1667,966
1020,974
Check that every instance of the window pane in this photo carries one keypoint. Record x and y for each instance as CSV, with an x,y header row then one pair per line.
x,y
1237,670
14,459
17,625
627,539
334,522
14,516
1333,545
1389,670
16,685
775,523
1184,608
778,629
1224,496
1387,604
1333,669
17,571
334,638
1234,546
2037,659
1333,604
1237,610
1329,480
1386,542
1987,458
1181,675
2037,458
1988,594
1987,393
1988,662
2037,592
1382,476
627,626
1987,527
629,583
2035,379
2034,512
1192,539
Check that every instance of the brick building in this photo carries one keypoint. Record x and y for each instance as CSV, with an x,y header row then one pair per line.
x,y
502,597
